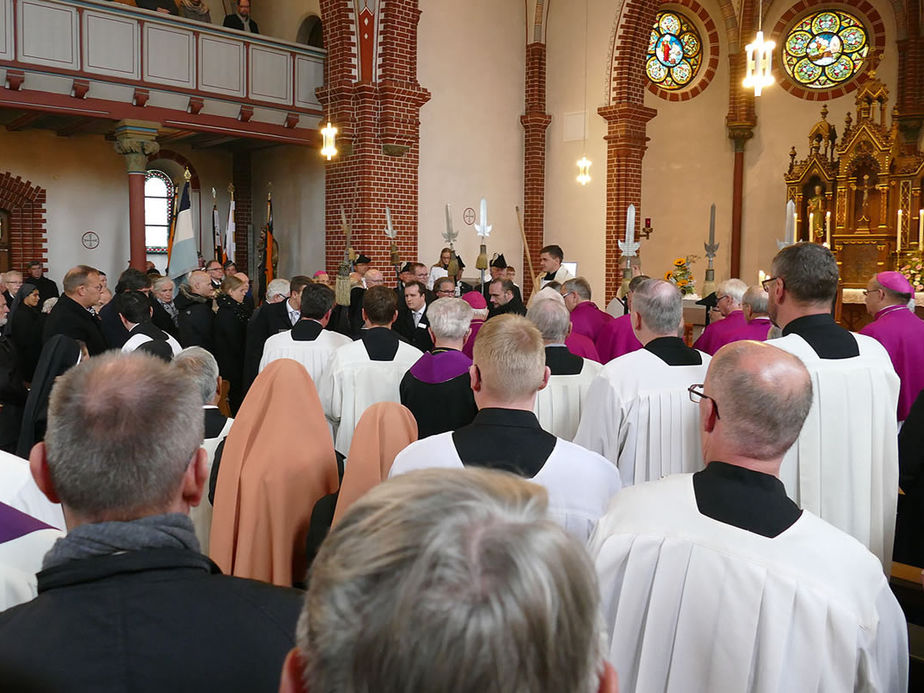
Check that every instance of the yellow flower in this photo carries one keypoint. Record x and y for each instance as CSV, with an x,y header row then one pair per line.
x,y
668,275
682,282
679,262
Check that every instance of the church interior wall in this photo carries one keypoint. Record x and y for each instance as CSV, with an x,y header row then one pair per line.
x,y
87,190
688,166
784,120
295,177
281,18
472,60
575,215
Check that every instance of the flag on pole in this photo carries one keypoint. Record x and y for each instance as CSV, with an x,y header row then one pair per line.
x,y
230,248
172,230
269,240
183,256
216,231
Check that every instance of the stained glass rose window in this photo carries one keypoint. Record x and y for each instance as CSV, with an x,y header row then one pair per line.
x,y
825,49
675,51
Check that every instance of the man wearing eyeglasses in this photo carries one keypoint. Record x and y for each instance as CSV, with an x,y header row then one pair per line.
x,y
719,580
899,330
844,466
634,413
728,296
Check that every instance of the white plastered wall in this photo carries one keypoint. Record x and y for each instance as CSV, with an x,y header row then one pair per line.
x,y
295,177
471,57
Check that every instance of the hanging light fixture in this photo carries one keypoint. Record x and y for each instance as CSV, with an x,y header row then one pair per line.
x,y
583,171
583,165
759,58
330,141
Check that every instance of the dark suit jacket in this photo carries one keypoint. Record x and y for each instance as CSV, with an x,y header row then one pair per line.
x,y
113,330
73,320
162,319
232,21
419,336
269,319
195,323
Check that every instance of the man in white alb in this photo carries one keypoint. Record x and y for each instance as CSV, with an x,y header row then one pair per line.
x,y
635,413
308,342
368,370
558,405
844,467
508,369
717,581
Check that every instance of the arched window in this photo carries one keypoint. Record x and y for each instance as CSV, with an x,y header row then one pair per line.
x,y
158,211
310,32
675,51
825,49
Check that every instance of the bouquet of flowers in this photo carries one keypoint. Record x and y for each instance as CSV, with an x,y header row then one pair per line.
x,y
914,270
682,275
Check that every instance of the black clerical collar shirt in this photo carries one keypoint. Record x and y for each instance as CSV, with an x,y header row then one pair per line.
x,y
744,498
674,352
507,439
827,339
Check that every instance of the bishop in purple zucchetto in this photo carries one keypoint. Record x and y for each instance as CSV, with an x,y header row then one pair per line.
x,y
899,330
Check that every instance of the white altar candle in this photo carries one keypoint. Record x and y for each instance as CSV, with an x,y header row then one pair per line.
x,y
921,229
811,228
828,228
795,225
898,233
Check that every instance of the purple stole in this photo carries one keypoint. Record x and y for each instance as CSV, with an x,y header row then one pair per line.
x,y
441,366
901,332
617,338
15,524
582,346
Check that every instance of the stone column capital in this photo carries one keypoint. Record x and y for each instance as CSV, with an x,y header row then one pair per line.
x,y
136,141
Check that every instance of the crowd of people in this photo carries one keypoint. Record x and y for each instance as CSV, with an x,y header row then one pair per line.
x,y
438,486
199,11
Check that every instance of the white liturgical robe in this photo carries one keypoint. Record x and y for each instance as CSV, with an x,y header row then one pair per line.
x,y
19,490
354,382
580,483
201,515
314,355
24,541
844,466
638,415
694,605
560,403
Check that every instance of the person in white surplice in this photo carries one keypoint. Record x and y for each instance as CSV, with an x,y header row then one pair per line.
x,y
635,413
717,581
368,370
308,342
844,467
558,405
508,370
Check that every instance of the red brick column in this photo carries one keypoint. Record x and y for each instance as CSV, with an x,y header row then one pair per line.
x,y
535,122
626,143
380,133
26,204
243,207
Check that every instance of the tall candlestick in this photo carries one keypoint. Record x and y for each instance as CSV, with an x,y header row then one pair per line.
x,y
921,229
898,233
828,228
630,224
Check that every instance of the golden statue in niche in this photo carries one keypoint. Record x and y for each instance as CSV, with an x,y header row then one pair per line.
x,y
816,209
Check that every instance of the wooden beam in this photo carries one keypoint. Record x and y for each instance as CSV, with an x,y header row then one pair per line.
x,y
208,141
77,125
23,121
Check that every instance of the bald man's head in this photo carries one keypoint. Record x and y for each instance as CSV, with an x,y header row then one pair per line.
x,y
374,277
763,395
660,305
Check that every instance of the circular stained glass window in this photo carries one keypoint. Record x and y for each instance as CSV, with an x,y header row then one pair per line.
x,y
675,51
825,49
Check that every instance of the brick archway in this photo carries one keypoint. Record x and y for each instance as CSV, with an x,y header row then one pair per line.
x,y
26,204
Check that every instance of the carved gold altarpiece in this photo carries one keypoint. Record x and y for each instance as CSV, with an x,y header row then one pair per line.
x,y
862,178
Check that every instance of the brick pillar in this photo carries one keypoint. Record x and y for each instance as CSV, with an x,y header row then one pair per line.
x,y
626,143
910,92
243,207
535,122
26,204
380,133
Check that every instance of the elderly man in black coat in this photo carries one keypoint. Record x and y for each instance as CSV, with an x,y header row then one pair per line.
x,y
126,600
194,304
73,314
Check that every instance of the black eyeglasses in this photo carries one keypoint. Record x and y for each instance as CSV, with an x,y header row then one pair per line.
x,y
697,394
766,283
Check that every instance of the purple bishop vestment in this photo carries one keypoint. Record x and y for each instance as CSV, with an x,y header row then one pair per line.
x,y
588,320
901,332
469,346
617,338
722,332
582,346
